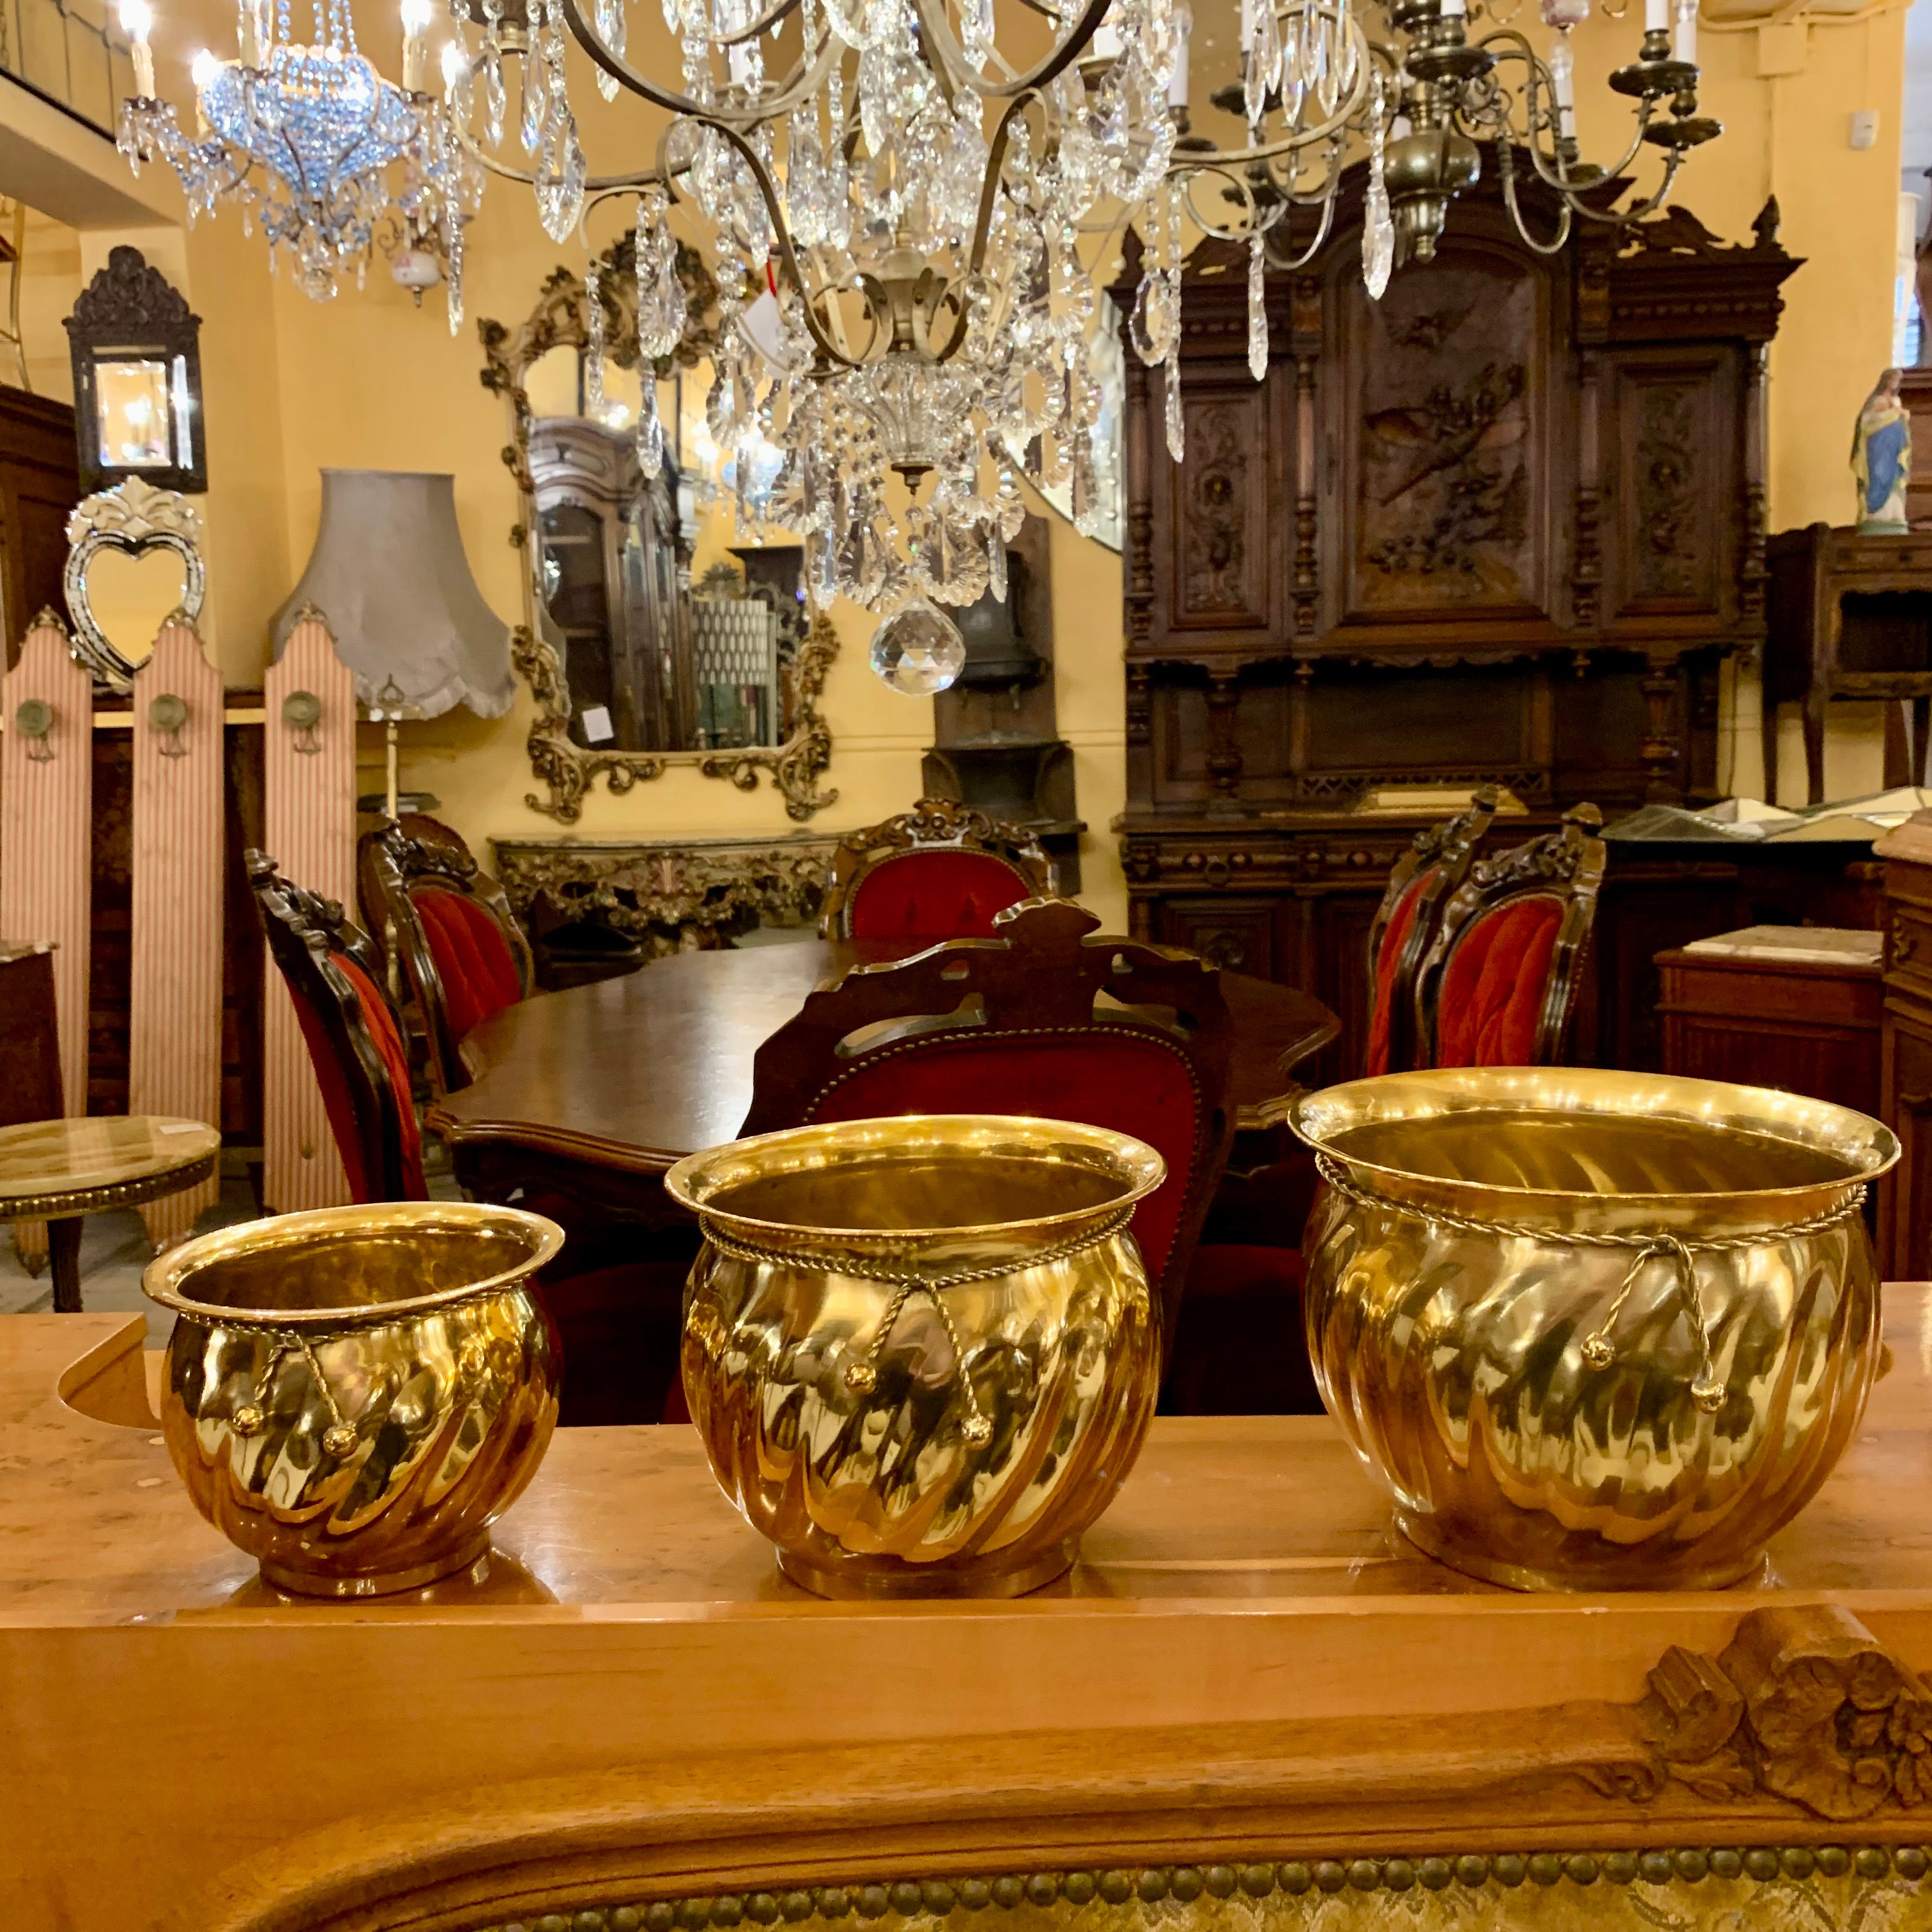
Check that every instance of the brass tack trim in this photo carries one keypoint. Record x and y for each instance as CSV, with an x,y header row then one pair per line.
x,y
938,1898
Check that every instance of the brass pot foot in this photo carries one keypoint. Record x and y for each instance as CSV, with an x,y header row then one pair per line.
x,y
1421,1531
299,1583
985,1577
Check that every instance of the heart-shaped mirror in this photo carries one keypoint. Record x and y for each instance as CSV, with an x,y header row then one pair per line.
x,y
135,561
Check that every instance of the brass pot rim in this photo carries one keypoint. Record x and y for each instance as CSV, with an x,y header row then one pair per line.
x,y
1766,1110
161,1280
1141,1168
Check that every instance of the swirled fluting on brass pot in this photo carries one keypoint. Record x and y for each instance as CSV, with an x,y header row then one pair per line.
x,y
920,1352
1597,1330
352,1395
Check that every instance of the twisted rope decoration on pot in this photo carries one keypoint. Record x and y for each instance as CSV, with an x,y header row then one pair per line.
x,y
338,1439
1646,1246
862,1375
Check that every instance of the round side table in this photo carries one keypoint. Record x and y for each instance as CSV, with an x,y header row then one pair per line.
x,y
57,1171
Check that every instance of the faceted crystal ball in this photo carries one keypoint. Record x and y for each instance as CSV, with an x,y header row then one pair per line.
x,y
918,650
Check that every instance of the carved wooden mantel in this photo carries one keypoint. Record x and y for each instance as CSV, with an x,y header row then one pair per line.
x,y
1253,1707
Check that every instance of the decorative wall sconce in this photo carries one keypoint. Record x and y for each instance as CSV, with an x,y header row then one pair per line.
x,y
302,713
167,715
34,722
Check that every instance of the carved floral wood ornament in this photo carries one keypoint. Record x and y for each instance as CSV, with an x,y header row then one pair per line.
x,y
566,769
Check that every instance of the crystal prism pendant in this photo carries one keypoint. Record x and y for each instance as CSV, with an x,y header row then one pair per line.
x,y
1177,431
650,425
1258,328
918,650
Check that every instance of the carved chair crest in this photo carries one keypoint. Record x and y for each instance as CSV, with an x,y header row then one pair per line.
x,y
1567,864
933,825
1446,851
307,936
1047,974
400,861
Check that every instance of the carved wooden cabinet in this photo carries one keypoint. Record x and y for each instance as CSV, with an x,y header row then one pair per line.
x,y
1501,525
1905,1036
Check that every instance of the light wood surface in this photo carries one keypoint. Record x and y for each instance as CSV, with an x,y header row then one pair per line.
x,y
174,1047
639,1072
1247,1663
309,814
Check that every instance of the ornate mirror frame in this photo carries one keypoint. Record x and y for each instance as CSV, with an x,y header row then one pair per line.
x,y
566,768
135,517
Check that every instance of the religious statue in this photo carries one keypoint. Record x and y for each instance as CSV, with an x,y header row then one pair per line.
x,y
1882,459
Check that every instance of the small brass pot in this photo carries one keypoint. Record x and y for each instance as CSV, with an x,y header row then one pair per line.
x,y
1597,1330
921,1352
353,1396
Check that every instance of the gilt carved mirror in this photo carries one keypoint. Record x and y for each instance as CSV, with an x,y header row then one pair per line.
x,y
633,670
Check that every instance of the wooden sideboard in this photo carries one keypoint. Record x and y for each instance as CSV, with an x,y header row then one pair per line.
x,y
1501,525
1905,1196
1293,901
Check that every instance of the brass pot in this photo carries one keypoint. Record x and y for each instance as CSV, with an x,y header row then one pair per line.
x,y
1597,1330
353,1396
921,1352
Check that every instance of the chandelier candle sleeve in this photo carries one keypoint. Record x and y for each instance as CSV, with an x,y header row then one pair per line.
x,y
136,20
415,26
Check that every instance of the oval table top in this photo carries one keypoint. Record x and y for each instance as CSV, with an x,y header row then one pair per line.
x,y
51,1169
635,1073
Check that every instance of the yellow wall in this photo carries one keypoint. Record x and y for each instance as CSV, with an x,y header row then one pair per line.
x,y
369,380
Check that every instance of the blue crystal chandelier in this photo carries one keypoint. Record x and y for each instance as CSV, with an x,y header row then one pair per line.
x,y
311,141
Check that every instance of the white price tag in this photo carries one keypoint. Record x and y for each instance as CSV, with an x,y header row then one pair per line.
x,y
597,724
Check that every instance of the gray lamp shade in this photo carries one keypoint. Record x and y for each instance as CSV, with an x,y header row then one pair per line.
x,y
389,574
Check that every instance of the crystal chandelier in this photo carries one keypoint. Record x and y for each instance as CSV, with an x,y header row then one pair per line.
x,y
896,207
307,140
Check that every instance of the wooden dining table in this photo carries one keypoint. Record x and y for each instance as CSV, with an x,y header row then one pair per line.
x,y
587,1090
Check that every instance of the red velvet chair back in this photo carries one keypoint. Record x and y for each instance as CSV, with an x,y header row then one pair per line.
x,y
1405,924
1499,983
942,871
462,953
1046,1017
354,1036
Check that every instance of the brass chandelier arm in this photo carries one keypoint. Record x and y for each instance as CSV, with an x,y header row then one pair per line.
x,y
1537,84
782,233
1561,240
803,78
941,40
989,186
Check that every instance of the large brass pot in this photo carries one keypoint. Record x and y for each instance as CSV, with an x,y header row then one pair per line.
x,y
921,1352
352,1395
1597,1330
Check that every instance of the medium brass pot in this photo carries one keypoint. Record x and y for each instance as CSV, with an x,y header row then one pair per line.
x,y
1597,1330
352,1395
921,1352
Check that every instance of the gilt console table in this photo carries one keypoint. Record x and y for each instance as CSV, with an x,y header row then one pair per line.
x,y
674,895
1249,1708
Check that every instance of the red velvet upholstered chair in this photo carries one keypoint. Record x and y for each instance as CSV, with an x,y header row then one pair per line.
x,y
1405,928
462,952
335,978
941,871
617,1314
1046,1016
1499,982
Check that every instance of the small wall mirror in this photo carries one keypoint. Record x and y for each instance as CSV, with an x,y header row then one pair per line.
x,y
134,560
136,353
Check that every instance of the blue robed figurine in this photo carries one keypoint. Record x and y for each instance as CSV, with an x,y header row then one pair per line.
x,y
1882,459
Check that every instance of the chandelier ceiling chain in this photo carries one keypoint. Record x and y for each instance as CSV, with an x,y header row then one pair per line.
x,y
896,207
